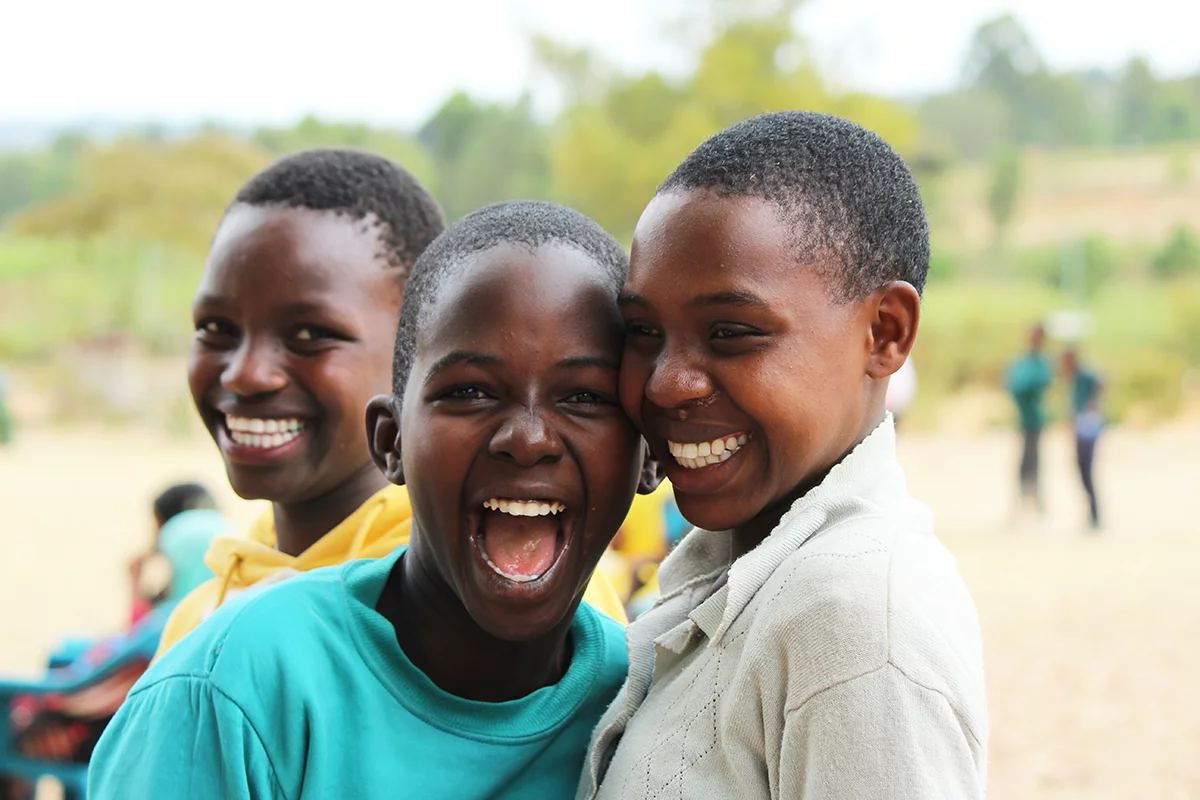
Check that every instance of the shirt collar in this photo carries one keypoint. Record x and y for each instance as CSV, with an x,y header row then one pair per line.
x,y
868,480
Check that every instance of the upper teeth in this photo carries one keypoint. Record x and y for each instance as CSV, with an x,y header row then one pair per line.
x,y
524,508
255,432
694,456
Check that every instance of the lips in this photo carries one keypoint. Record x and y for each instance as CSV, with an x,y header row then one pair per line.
x,y
260,440
697,455
700,458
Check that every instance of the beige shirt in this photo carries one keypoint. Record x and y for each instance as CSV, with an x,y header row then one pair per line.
x,y
840,660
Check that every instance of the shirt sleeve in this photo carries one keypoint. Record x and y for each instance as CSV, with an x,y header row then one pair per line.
x,y
181,738
877,737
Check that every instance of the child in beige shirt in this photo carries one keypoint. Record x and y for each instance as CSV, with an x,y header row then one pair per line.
x,y
813,638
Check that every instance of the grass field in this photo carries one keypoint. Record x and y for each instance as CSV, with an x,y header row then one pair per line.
x,y
1090,641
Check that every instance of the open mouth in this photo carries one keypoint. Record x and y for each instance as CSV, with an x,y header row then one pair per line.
x,y
263,434
521,540
698,455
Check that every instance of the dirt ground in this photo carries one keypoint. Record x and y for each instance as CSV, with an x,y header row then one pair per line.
x,y
1091,641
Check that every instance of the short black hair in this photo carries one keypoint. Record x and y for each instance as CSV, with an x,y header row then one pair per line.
x,y
846,193
359,185
179,498
524,223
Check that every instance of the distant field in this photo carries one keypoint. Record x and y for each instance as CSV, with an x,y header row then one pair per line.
x,y
1124,196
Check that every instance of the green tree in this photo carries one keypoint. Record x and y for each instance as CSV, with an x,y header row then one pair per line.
x,y
1003,189
483,153
1180,256
172,192
616,143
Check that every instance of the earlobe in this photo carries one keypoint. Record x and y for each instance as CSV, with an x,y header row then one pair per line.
x,y
383,437
893,328
652,471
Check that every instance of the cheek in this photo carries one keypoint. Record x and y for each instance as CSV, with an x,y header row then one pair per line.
x,y
204,370
631,386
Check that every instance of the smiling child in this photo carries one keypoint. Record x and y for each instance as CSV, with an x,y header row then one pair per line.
x,y
463,666
295,323
813,638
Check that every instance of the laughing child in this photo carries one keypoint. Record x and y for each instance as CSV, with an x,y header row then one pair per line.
x,y
813,638
295,321
465,665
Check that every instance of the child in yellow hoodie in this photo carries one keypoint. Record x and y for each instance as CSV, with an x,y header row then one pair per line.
x,y
295,319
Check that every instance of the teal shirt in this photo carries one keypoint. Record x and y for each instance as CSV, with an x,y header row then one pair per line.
x,y
1083,387
1028,380
301,691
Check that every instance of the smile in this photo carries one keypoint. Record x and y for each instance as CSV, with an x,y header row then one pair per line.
x,y
697,455
263,434
521,551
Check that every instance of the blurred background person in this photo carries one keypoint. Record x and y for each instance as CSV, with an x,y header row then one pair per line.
x,y
1084,390
1028,379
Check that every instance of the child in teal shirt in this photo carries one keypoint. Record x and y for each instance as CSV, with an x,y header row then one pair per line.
x,y
463,666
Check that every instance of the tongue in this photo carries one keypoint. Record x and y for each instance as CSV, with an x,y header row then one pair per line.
x,y
523,546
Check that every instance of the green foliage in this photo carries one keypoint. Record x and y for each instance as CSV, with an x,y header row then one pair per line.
x,y
1180,255
617,141
485,153
56,292
1009,95
1003,189
311,132
168,192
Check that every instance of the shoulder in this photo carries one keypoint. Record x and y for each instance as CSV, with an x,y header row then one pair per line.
x,y
260,629
828,601
869,592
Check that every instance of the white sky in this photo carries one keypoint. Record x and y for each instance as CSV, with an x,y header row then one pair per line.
x,y
394,61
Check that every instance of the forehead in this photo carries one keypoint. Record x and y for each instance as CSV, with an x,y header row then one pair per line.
x,y
294,250
554,297
698,242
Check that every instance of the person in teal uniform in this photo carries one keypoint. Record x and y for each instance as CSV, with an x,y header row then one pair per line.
x,y
1028,379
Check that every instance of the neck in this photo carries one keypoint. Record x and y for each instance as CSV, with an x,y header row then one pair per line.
x,y
441,639
299,525
751,534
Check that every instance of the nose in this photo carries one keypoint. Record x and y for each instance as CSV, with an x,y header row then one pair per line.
x,y
253,369
677,382
526,438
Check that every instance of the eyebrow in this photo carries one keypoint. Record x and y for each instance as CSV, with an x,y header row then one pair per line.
x,y
588,362
459,357
739,299
627,298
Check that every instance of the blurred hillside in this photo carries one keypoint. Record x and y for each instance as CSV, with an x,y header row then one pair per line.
x,y
1047,191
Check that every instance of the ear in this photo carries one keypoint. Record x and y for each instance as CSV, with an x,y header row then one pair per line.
x,y
383,437
652,471
895,317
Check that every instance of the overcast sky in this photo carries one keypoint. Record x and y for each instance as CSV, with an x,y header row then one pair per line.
x,y
394,61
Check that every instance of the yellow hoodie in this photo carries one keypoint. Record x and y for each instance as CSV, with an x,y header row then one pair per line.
x,y
375,529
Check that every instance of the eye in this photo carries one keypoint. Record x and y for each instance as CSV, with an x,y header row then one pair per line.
x,y
728,332
640,329
211,328
313,333
588,397
466,393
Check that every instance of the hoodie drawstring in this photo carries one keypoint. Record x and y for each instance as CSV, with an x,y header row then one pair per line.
x,y
237,562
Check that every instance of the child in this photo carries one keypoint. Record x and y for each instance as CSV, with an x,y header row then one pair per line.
x,y
65,726
1085,412
463,666
181,550
295,320
813,638
1028,379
